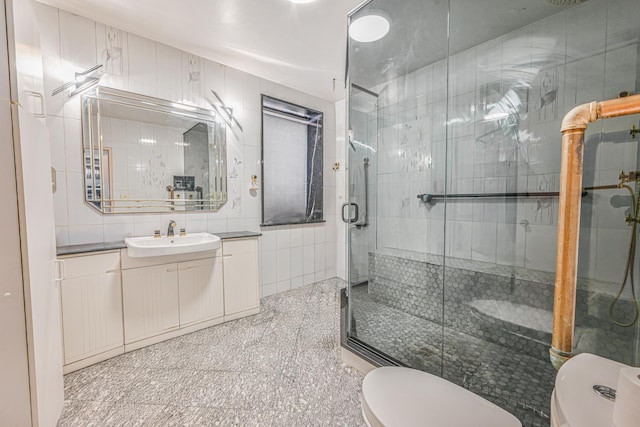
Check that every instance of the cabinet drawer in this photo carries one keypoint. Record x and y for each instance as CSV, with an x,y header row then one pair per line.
x,y
241,246
87,265
133,262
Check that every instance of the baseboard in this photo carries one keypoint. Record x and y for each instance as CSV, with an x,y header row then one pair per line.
x,y
171,334
242,314
74,366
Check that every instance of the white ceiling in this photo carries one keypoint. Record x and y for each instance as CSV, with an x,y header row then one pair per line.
x,y
298,45
304,45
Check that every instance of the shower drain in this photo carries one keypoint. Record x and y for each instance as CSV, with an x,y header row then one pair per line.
x,y
606,392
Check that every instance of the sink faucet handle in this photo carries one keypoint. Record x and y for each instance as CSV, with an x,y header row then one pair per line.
x,y
156,234
183,231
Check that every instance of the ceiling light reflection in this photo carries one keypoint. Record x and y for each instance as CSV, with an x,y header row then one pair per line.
x,y
369,28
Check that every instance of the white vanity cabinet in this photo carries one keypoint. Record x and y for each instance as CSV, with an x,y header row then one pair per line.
x,y
167,296
91,301
241,279
113,303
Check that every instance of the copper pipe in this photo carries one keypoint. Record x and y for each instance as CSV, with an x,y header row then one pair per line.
x,y
574,126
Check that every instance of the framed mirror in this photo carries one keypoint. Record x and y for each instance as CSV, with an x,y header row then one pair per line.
x,y
291,163
157,155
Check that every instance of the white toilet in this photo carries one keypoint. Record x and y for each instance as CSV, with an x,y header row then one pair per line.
x,y
574,402
403,397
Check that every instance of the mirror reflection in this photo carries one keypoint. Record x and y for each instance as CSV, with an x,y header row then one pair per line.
x,y
157,155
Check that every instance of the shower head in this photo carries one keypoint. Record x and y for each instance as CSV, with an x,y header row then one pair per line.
x,y
563,2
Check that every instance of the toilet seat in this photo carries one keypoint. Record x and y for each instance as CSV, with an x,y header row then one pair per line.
x,y
404,397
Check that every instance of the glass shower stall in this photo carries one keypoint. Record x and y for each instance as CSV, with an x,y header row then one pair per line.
x,y
453,176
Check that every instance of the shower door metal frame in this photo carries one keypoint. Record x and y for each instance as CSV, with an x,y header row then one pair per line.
x,y
350,343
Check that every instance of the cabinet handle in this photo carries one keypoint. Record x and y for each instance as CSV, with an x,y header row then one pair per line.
x,y
171,270
60,270
186,268
227,255
113,271
41,114
54,180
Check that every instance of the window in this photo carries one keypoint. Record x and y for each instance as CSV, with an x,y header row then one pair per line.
x,y
291,163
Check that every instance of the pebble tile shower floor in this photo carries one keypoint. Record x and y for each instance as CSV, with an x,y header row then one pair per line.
x,y
281,367
519,383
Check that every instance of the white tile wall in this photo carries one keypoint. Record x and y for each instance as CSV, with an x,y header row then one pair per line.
x,y
290,256
583,61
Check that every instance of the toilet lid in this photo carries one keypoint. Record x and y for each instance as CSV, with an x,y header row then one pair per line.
x,y
399,397
575,401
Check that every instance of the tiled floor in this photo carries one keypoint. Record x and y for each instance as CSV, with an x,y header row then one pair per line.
x,y
519,383
281,367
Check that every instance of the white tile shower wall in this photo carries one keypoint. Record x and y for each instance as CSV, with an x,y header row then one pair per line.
x,y
549,66
290,256
361,167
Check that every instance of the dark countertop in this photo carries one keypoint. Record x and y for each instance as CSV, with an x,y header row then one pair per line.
x,y
110,246
90,247
237,234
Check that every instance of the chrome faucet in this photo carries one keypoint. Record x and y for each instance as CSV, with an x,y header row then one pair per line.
x,y
170,232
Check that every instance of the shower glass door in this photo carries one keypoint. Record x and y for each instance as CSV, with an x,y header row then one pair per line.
x,y
452,265
360,212
397,150
506,99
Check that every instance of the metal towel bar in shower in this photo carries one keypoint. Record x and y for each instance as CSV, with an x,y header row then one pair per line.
x,y
428,198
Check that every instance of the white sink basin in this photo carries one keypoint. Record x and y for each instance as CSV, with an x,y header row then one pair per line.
x,y
138,247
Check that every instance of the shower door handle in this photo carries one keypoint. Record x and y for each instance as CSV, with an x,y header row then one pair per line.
x,y
349,219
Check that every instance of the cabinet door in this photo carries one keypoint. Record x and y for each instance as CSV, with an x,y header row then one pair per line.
x,y
201,294
37,242
91,306
150,296
15,409
241,287
34,206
